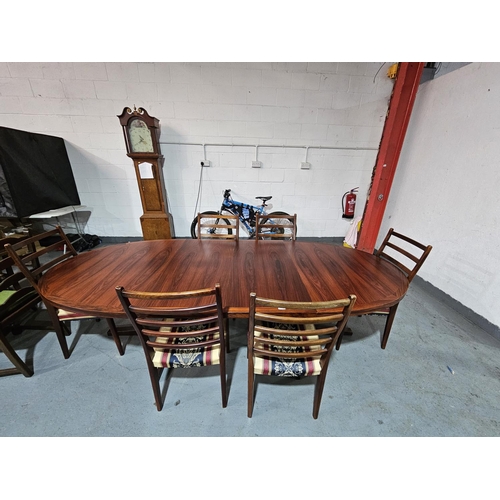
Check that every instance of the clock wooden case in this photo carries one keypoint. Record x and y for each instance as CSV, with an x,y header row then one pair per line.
x,y
142,140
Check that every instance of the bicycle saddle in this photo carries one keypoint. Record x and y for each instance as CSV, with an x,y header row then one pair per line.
x,y
264,198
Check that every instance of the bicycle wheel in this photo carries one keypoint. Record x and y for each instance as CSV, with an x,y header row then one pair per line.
x,y
274,218
210,216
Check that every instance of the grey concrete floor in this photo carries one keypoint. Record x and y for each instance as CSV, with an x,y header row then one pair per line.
x,y
439,376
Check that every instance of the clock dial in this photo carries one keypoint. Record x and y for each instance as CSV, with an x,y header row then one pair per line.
x,y
140,137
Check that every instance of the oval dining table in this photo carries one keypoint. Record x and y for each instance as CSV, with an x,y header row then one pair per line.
x,y
286,270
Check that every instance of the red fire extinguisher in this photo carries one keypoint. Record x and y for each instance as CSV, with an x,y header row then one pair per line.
x,y
350,204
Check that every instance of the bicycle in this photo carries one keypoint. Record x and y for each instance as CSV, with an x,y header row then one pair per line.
x,y
246,213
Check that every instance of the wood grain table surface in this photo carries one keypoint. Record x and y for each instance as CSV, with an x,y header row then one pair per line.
x,y
288,270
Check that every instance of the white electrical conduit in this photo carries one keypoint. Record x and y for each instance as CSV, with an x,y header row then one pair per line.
x,y
204,145
264,146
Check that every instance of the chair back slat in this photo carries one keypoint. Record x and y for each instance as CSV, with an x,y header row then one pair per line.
x,y
174,312
181,322
410,256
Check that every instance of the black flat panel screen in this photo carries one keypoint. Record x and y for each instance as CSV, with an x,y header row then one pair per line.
x,y
37,174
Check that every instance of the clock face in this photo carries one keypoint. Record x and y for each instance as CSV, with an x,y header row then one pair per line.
x,y
140,137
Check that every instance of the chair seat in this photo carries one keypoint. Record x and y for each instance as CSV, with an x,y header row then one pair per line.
x,y
13,300
185,358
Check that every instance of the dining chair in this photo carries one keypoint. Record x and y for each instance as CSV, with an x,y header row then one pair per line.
x,y
284,228
36,255
178,330
15,302
225,227
407,255
293,339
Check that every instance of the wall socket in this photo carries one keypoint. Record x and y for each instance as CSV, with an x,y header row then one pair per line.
x,y
305,165
205,163
256,164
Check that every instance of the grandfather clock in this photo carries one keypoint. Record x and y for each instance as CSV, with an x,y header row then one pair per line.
x,y
142,139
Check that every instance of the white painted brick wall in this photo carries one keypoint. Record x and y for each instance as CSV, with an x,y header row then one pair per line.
x,y
281,103
445,191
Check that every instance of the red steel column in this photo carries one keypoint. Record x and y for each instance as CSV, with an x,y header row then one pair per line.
x,y
391,143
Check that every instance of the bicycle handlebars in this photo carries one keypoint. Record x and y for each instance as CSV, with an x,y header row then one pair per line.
x,y
227,195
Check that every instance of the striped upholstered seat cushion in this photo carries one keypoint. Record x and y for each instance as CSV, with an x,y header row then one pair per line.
x,y
186,358
386,311
64,315
304,365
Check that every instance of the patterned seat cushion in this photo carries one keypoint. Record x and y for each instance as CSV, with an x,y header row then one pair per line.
x,y
186,358
300,367
304,365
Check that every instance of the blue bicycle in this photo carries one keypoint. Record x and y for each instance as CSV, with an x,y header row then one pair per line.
x,y
245,212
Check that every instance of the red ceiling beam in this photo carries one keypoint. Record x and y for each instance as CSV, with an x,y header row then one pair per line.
x,y
398,116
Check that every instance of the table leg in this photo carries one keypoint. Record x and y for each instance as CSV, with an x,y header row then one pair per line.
x,y
388,325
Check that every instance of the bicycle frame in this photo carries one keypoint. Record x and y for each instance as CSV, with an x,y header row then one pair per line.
x,y
245,211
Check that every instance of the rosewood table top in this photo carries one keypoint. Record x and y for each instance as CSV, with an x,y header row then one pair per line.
x,y
287,270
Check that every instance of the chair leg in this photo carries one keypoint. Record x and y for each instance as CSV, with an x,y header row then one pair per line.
x,y
339,341
226,330
251,385
154,375
346,331
251,377
388,325
116,337
223,383
58,327
21,366
318,393
251,395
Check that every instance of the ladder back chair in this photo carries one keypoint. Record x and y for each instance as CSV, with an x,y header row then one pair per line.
x,y
178,330
15,302
293,339
407,255
277,227
36,255
222,227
